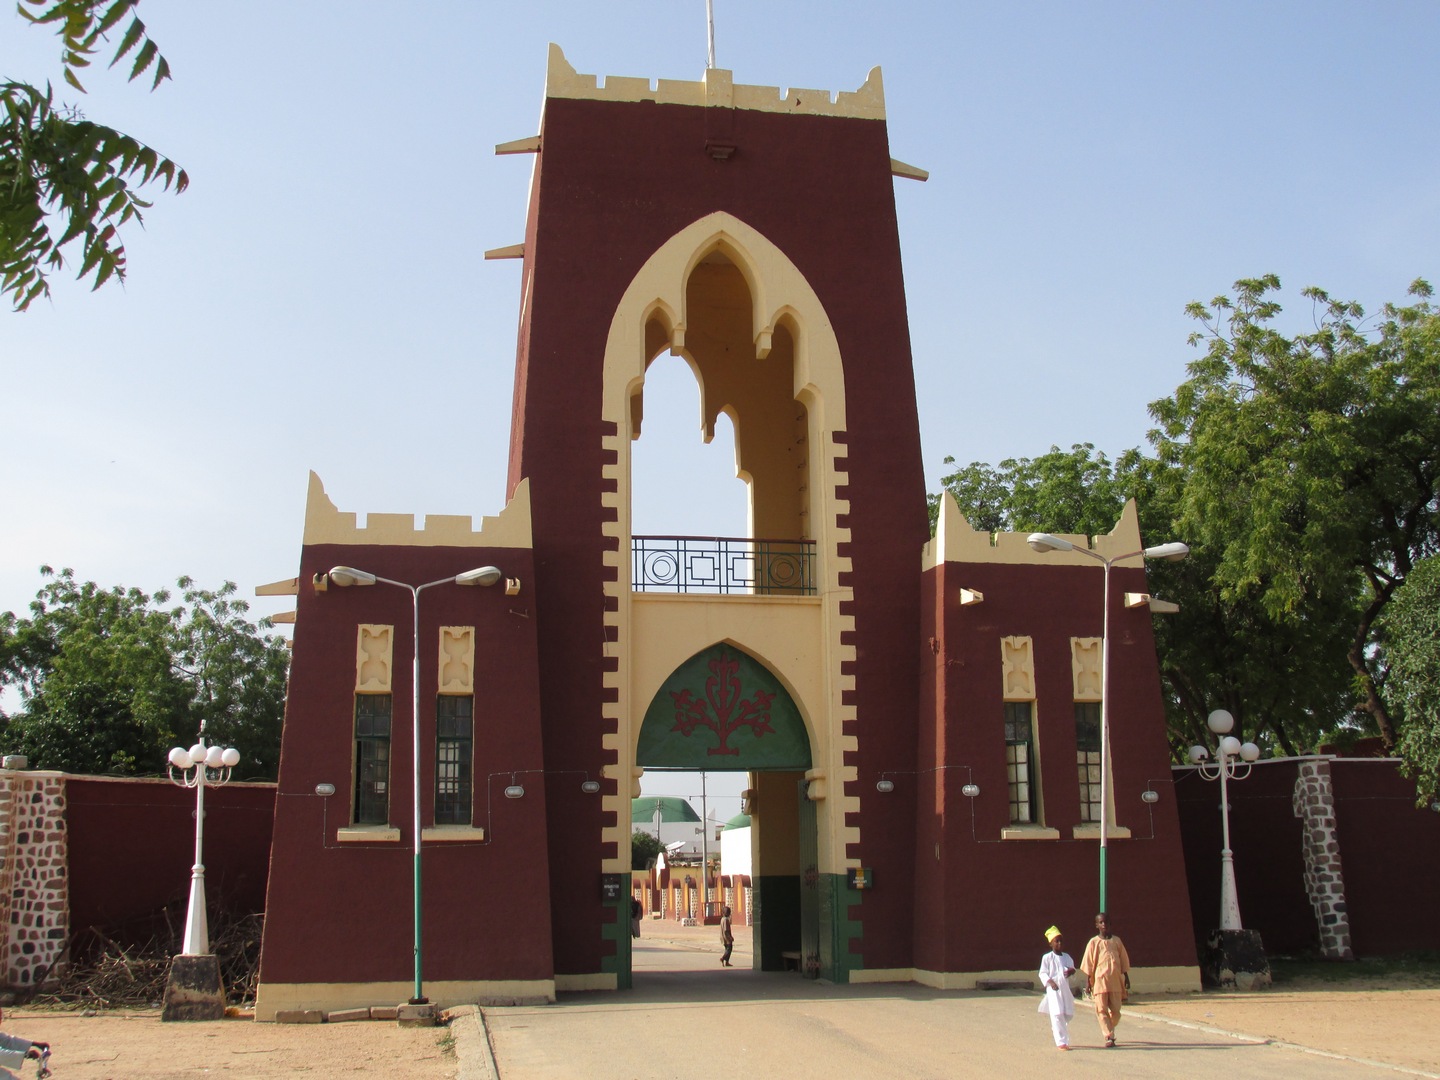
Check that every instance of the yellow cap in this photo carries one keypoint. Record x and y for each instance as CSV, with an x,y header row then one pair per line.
x,y
1052,933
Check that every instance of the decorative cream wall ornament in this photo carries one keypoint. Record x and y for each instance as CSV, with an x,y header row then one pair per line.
x,y
457,660
1019,668
1085,667
374,650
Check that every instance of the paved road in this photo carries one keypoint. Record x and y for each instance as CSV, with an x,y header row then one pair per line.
x,y
689,1017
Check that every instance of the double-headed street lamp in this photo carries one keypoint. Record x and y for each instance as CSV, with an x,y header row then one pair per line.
x,y
348,575
1226,767
1174,552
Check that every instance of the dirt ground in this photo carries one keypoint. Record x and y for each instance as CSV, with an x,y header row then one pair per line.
x,y
134,1043
1387,1019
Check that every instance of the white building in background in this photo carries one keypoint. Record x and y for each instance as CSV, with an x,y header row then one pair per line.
x,y
735,846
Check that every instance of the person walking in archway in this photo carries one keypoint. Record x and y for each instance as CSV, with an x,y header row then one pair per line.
x,y
727,936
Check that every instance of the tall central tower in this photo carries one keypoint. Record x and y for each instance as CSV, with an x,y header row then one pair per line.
x,y
753,234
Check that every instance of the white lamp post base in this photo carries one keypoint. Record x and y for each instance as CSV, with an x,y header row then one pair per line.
x,y
1235,960
193,990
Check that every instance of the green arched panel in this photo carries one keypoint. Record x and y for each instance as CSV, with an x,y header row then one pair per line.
x,y
722,710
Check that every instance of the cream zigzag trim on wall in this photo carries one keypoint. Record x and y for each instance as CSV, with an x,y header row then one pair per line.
x,y
842,627
616,712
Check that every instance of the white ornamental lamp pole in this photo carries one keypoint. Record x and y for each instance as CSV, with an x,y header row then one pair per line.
x,y
1231,756
1174,552
199,767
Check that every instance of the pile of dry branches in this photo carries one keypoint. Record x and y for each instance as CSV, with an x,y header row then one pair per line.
x,y
111,976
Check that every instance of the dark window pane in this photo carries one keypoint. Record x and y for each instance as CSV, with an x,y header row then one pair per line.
x,y
1020,760
454,716
454,724
372,716
1087,758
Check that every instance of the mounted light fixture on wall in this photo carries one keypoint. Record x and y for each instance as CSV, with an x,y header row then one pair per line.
x,y
515,791
1149,797
970,790
590,787
885,786
324,789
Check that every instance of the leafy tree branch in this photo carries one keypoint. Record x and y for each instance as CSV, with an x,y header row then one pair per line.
x,y
64,178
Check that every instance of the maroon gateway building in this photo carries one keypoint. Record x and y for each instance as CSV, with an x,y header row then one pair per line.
x,y
917,716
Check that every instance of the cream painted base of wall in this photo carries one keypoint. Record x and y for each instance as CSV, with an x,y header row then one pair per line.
x,y
1153,980
272,998
594,980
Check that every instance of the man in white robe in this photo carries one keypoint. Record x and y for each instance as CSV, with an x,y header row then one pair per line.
x,y
1056,967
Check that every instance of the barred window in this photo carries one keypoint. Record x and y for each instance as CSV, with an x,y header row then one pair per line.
x,y
1087,758
1020,764
372,759
454,740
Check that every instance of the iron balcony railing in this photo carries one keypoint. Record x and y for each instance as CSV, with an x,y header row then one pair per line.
x,y
722,564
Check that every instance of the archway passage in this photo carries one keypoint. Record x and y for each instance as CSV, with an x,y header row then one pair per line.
x,y
722,710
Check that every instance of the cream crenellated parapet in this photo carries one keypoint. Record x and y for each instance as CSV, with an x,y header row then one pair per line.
x,y
325,524
717,88
955,541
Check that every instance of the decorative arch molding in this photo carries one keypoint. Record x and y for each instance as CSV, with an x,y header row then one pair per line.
x,y
722,710
777,290
653,305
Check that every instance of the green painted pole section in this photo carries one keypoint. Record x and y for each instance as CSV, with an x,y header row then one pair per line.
x,y
419,995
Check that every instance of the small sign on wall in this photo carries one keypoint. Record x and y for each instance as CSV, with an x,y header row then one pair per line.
x,y
859,877
611,886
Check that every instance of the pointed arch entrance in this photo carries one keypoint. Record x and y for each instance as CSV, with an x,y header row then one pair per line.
x,y
723,710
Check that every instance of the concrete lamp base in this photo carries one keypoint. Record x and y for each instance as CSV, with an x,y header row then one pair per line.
x,y
193,990
415,1015
1235,960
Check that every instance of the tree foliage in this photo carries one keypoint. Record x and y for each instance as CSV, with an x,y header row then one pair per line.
x,y
1311,462
109,680
53,161
1081,488
644,850
1411,628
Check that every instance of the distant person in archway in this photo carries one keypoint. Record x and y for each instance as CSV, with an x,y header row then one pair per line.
x,y
727,936
635,912
1107,976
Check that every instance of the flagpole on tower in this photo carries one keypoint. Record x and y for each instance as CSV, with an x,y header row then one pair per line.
x,y
710,30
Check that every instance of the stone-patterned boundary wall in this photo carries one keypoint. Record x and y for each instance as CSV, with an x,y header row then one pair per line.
x,y
34,879
1314,804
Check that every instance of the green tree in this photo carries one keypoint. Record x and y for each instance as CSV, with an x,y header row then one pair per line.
x,y
109,680
1411,628
1081,488
55,161
644,850
1311,462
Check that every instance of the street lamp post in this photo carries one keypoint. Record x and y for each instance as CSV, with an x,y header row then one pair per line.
x,y
1233,954
211,767
192,988
348,575
1225,768
1173,552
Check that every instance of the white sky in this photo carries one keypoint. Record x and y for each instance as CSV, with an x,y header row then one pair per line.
x,y
317,300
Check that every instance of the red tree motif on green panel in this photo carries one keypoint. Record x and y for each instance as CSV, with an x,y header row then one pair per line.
x,y
726,713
